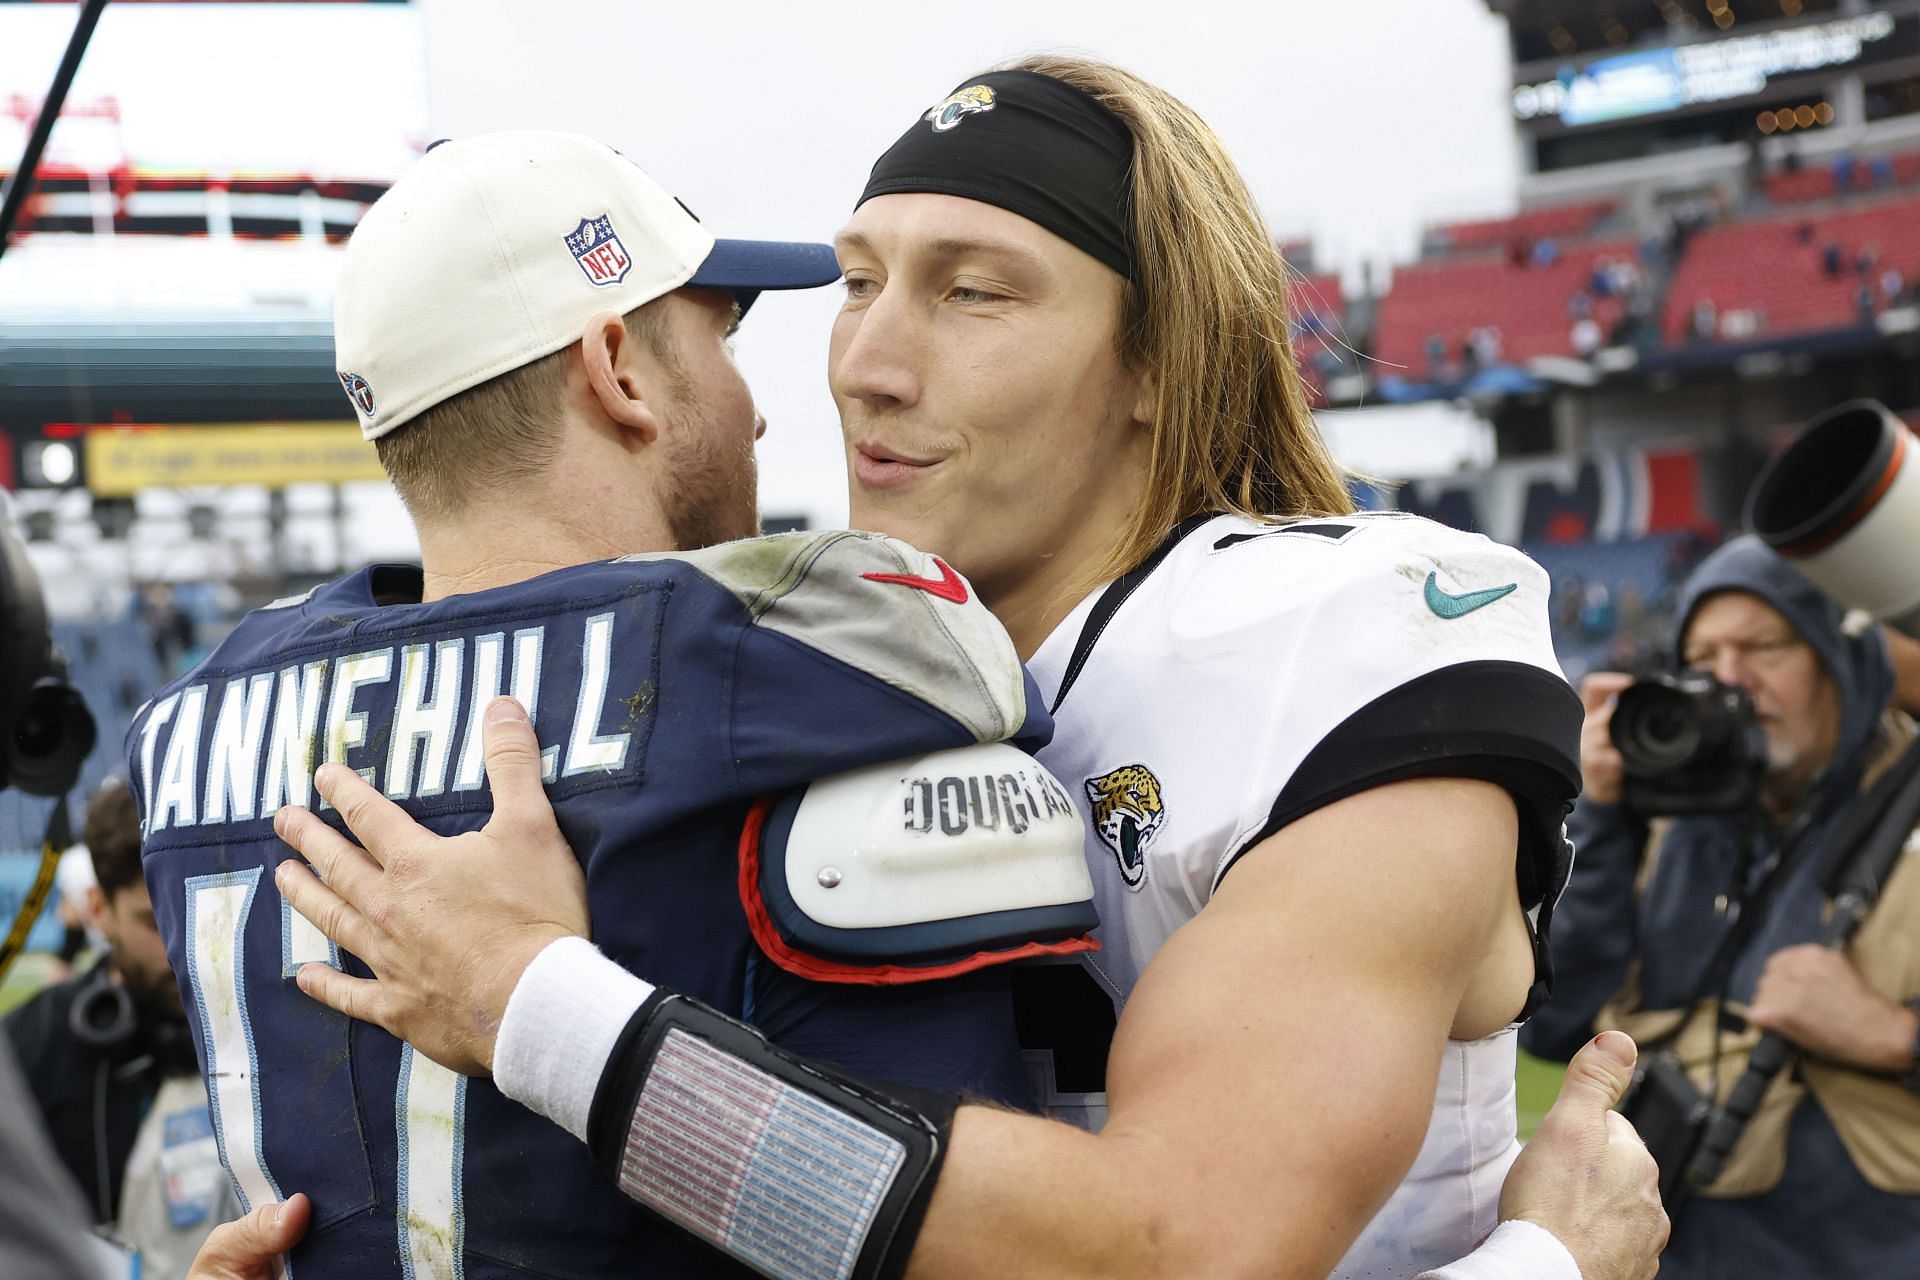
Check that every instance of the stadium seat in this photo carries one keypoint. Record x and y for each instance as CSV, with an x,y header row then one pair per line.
x,y
1639,577
1772,267
1534,224
1319,315
1818,181
1450,298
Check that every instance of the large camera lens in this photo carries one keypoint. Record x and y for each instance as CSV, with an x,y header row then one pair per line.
x,y
1843,504
1827,480
1657,728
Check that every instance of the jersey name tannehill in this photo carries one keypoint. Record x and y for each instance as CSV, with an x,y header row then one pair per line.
x,y
406,716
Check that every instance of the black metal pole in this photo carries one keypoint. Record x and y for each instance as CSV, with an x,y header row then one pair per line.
x,y
29,166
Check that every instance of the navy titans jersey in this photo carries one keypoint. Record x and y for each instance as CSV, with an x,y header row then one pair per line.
x,y
669,692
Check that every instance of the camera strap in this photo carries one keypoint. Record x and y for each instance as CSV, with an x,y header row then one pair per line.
x,y
1863,853
1855,859
1752,906
1673,1115
58,836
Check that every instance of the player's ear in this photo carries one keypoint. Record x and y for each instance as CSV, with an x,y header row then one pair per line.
x,y
1144,399
616,366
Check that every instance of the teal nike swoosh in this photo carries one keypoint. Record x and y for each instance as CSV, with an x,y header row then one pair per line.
x,y
1452,606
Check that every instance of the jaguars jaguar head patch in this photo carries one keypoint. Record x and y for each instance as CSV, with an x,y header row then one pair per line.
x,y
958,105
1127,811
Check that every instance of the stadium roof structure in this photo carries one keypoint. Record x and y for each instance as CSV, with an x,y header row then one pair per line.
x,y
1636,17
1539,8
1552,30
1634,14
174,371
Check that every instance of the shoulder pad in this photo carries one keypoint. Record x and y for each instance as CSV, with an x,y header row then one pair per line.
x,y
918,869
881,606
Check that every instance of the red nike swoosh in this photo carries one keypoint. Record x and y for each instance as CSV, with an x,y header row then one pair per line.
x,y
947,586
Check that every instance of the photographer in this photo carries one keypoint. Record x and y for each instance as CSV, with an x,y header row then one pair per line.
x,y
1696,933
108,1058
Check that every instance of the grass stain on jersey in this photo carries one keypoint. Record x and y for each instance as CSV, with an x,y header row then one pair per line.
x,y
638,704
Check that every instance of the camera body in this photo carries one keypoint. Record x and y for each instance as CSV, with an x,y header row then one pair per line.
x,y
1690,745
46,731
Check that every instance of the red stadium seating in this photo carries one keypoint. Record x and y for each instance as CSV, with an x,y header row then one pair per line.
x,y
1528,304
1319,316
1765,265
1534,224
1315,295
1797,188
1817,182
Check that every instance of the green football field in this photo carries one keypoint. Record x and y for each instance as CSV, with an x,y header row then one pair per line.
x,y
1538,1081
30,972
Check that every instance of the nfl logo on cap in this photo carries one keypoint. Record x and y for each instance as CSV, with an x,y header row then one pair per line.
x,y
599,252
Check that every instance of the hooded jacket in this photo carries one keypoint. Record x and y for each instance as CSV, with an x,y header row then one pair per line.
x,y
1643,918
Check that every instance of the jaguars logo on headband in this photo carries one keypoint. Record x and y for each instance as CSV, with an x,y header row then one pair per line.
x,y
1128,812
957,106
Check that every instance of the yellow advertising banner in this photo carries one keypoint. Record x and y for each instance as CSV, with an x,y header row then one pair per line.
x,y
122,461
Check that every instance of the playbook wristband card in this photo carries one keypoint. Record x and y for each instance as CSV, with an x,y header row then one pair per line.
x,y
792,1168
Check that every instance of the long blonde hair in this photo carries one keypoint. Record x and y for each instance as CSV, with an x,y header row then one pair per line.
x,y
1206,316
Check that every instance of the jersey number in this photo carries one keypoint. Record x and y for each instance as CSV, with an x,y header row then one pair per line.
x,y
1065,1022
429,1102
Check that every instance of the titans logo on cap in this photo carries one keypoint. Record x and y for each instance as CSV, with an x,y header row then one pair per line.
x,y
359,392
958,105
596,247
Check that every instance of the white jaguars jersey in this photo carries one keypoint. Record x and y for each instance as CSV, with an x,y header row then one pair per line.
x,y
1251,675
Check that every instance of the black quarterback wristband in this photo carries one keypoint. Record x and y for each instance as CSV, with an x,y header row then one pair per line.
x,y
793,1168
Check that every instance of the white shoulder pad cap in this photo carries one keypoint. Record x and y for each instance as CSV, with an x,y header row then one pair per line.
x,y
974,852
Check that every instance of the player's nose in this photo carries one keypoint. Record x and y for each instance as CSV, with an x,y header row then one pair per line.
x,y
874,361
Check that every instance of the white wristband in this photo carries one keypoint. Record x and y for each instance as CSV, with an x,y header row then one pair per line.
x,y
562,1020
1515,1251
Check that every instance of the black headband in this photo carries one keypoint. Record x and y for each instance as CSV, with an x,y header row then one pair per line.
x,y
1032,145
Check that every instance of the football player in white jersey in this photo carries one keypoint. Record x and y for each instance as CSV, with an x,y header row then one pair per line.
x,y
1325,755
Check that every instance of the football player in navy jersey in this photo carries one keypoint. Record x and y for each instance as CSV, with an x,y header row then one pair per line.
x,y
535,336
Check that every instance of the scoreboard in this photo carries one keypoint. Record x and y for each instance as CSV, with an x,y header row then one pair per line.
x,y
1731,70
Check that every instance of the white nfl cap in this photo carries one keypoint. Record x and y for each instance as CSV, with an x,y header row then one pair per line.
x,y
494,251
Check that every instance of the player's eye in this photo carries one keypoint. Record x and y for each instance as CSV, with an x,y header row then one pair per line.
x,y
971,295
860,288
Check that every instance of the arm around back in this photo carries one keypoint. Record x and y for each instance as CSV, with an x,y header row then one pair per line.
x,y
1279,1060
1272,1077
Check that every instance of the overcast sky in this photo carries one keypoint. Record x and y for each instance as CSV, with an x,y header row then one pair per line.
x,y
1356,122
